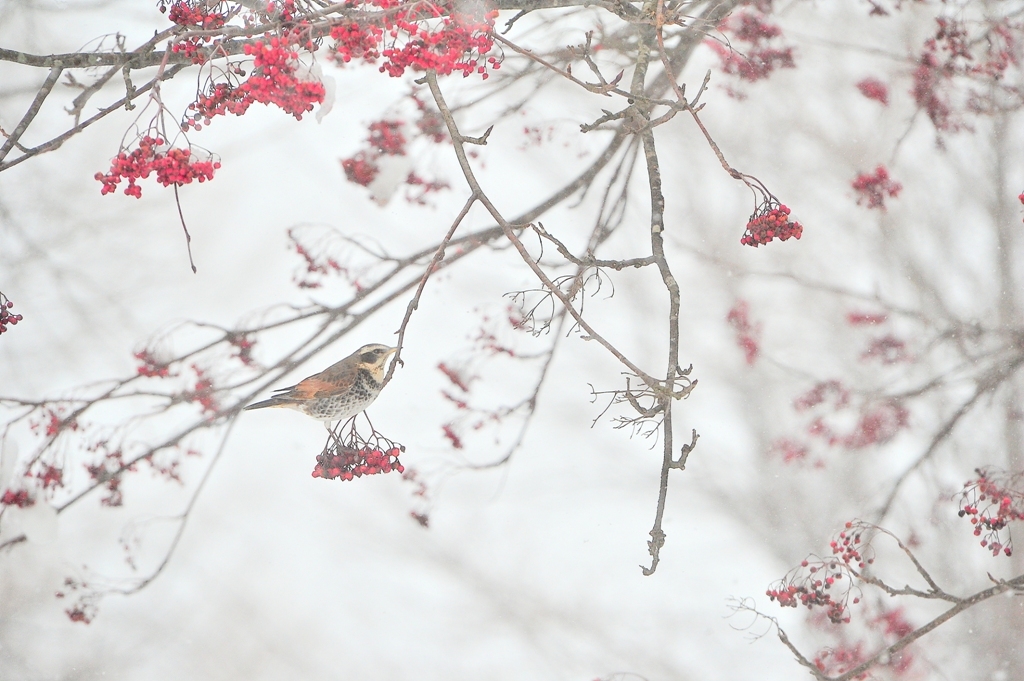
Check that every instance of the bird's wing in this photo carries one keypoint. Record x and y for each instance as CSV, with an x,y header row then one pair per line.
x,y
328,382
340,376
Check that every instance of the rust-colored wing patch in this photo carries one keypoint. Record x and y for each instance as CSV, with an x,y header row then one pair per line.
x,y
313,387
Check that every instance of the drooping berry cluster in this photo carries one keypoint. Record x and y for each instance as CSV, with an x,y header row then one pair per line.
x,y
203,391
172,165
992,501
348,455
877,424
811,585
887,349
273,79
19,498
7,318
872,188
747,332
872,88
346,464
419,37
149,366
770,221
758,58
195,16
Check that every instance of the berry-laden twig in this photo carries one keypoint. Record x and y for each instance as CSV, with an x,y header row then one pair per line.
x,y
348,454
7,318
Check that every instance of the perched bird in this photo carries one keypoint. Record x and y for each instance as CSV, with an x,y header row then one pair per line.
x,y
340,391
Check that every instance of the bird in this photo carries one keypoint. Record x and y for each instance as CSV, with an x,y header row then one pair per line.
x,y
339,392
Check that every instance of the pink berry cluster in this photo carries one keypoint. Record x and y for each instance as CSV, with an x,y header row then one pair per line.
x,y
153,155
952,52
347,463
19,498
747,332
811,584
419,37
872,188
837,660
195,16
789,450
108,470
317,262
878,423
887,349
872,88
992,501
202,392
7,318
770,221
385,139
758,58
149,366
273,80
858,318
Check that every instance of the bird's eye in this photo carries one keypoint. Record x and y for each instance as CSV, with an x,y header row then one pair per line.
x,y
368,357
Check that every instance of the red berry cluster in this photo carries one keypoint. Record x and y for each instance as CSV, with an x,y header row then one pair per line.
x,y
811,585
108,471
243,348
878,423
318,262
172,166
355,41
419,188
21,499
420,37
822,391
203,392
346,463
835,661
790,451
360,169
873,188
770,221
149,366
757,60
183,14
850,547
7,318
50,476
872,88
866,318
273,80
992,501
887,349
746,331
51,424
385,139
195,16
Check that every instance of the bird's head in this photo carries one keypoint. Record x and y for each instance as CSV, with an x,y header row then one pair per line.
x,y
373,357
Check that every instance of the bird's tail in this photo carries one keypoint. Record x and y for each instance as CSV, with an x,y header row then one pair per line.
x,y
272,402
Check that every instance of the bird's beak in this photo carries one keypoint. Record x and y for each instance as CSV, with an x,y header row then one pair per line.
x,y
391,352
